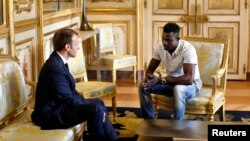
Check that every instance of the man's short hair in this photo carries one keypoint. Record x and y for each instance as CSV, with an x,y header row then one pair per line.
x,y
63,37
172,27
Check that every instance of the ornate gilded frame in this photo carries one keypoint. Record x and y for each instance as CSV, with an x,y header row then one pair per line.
x,y
225,7
176,7
25,54
110,3
22,5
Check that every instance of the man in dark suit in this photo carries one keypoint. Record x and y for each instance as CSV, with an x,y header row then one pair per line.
x,y
58,105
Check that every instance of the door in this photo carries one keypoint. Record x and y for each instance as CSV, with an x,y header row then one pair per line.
x,y
224,19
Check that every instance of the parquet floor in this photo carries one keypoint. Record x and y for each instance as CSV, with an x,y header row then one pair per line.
x,y
237,95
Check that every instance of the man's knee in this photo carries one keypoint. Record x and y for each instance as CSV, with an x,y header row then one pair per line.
x,y
179,91
140,87
99,108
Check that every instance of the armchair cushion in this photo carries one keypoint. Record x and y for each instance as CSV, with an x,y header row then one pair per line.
x,y
94,89
118,60
23,129
201,101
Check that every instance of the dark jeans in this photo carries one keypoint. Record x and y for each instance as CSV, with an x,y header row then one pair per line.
x,y
93,112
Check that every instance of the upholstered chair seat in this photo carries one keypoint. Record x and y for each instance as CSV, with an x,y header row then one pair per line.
x,y
199,103
118,60
213,62
23,129
93,89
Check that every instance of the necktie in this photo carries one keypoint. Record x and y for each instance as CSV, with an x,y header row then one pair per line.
x,y
67,67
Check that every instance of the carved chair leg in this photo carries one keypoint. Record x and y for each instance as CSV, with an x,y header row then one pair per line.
x,y
134,69
211,117
114,75
114,107
222,113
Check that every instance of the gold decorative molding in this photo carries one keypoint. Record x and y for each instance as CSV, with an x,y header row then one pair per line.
x,y
25,25
112,11
4,31
176,7
22,5
60,16
224,7
1,50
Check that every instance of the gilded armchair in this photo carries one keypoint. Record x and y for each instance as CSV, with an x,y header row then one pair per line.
x,y
213,62
109,59
90,89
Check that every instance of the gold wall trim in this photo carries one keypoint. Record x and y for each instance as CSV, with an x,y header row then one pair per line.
x,y
25,25
176,7
61,16
213,7
2,36
130,11
1,50
139,40
22,5
52,32
3,31
10,24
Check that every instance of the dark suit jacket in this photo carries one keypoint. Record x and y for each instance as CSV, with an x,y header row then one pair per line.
x,y
55,91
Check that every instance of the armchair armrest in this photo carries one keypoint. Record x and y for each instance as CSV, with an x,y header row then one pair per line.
x,y
216,77
218,74
31,83
31,96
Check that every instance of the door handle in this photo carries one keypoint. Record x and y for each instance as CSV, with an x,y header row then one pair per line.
x,y
188,19
201,18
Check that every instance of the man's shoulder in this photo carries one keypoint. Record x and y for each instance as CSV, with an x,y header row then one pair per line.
x,y
52,63
186,45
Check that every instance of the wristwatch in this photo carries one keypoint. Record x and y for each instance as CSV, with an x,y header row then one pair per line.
x,y
163,80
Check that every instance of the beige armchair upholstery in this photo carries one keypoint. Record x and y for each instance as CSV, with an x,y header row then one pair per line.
x,y
90,89
113,61
213,61
15,109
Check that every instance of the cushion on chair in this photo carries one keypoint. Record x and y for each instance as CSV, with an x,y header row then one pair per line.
x,y
23,129
210,59
12,88
94,89
118,60
200,101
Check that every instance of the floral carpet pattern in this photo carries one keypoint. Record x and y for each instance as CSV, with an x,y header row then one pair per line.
x,y
128,119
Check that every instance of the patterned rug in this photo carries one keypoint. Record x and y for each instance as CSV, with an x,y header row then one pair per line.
x,y
128,119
